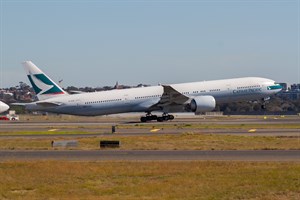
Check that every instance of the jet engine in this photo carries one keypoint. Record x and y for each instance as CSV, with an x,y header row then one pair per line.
x,y
202,104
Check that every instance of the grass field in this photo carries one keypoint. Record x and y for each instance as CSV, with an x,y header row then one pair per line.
x,y
185,141
150,180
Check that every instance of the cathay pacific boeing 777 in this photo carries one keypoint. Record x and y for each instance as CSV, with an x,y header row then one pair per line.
x,y
194,97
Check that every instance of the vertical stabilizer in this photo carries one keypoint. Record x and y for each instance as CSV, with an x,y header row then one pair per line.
x,y
43,86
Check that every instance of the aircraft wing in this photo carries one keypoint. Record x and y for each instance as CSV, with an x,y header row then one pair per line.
x,y
170,98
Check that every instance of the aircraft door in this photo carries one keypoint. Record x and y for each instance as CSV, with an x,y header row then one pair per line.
x,y
128,99
228,92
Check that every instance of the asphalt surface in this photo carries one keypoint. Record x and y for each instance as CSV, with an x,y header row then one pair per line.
x,y
102,127
135,155
147,132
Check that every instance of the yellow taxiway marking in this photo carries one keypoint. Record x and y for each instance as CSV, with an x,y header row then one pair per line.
x,y
154,130
252,131
52,130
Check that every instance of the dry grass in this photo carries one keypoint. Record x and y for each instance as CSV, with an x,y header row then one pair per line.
x,y
149,180
187,141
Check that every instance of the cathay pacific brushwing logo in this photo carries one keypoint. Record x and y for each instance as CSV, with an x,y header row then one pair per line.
x,y
43,85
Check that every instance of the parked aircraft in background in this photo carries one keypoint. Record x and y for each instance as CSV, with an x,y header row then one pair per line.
x,y
3,107
186,97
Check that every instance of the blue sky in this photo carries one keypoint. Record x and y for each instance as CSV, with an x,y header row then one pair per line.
x,y
96,43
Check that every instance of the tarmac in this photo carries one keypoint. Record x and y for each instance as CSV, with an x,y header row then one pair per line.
x,y
102,127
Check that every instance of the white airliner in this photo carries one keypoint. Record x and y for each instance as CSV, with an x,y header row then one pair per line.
x,y
186,97
3,107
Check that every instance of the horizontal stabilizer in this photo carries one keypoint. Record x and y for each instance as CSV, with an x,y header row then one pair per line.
x,y
48,104
19,104
76,92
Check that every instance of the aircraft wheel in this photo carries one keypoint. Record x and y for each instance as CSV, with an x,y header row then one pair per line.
x,y
151,117
143,119
154,117
171,117
160,119
165,117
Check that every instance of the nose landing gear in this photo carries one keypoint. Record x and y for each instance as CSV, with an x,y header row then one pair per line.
x,y
265,101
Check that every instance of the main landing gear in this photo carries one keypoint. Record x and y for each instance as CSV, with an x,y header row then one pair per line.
x,y
150,117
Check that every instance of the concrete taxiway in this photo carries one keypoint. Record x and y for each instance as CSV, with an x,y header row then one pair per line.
x,y
134,155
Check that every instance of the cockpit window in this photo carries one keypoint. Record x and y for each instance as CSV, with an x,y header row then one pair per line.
x,y
274,87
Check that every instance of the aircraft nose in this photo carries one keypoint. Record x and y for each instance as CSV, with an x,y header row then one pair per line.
x,y
275,87
280,87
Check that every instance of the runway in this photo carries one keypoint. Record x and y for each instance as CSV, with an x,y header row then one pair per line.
x,y
94,127
136,155
146,132
91,127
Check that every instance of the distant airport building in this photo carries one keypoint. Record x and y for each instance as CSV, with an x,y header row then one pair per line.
x,y
295,87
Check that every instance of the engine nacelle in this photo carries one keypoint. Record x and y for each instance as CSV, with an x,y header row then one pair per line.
x,y
202,104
